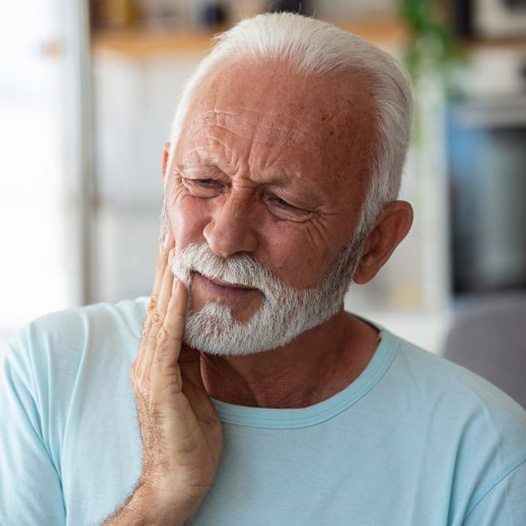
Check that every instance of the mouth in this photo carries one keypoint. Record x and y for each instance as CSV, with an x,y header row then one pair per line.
x,y
224,285
242,301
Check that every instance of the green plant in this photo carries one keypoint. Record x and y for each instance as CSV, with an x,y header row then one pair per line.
x,y
431,44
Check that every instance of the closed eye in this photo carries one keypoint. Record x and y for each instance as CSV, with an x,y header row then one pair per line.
x,y
282,203
203,188
207,183
284,210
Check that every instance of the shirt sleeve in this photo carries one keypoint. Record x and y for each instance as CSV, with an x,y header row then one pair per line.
x,y
503,504
30,486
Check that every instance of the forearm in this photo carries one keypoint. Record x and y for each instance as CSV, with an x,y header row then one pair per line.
x,y
145,508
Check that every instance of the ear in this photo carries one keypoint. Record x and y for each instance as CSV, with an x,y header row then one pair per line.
x,y
391,227
166,153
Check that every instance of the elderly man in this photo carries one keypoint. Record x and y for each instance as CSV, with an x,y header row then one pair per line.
x,y
260,401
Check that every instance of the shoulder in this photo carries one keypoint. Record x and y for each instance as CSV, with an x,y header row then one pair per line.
x,y
64,377
478,431
59,341
487,427
125,316
432,373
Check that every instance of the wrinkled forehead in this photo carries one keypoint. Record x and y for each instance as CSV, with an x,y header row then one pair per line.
x,y
329,116
269,88
267,127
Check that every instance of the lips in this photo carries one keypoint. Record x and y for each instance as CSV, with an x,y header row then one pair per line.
x,y
224,284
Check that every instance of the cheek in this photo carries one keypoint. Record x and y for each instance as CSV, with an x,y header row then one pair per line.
x,y
293,256
188,217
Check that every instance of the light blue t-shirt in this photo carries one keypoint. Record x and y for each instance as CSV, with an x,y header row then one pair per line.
x,y
414,441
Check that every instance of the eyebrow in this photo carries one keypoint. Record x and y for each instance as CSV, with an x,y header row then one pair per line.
x,y
278,179
205,161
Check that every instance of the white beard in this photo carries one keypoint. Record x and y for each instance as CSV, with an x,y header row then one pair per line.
x,y
285,312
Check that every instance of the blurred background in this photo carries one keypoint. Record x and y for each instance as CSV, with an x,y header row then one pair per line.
x,y
87,94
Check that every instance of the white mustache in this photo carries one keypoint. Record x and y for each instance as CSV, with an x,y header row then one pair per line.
x,y
284,313
238,270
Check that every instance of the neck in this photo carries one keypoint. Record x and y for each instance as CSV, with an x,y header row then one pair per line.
x,y
313,367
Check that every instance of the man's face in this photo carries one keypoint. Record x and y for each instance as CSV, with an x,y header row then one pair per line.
x,y
273,166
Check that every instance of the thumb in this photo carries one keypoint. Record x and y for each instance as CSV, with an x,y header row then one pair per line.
x,y
190,364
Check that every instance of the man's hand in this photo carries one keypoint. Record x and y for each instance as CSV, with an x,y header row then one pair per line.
x,y
180,429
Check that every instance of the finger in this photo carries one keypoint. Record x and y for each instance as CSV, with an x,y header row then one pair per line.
x,y
199,400
162,260
170,337
137,367
190,363
158,317
194,389
165,372
165,293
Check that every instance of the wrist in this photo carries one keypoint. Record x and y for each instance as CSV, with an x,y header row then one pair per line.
x,y
167,504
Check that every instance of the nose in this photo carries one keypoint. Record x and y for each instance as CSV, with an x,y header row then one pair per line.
x,y
230,230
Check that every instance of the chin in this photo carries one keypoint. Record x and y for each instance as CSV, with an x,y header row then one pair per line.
x,y
214,330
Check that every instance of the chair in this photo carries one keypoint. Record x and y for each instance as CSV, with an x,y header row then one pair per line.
x,y
489,337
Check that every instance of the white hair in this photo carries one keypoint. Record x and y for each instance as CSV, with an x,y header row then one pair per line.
x,y
285,312
313,47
